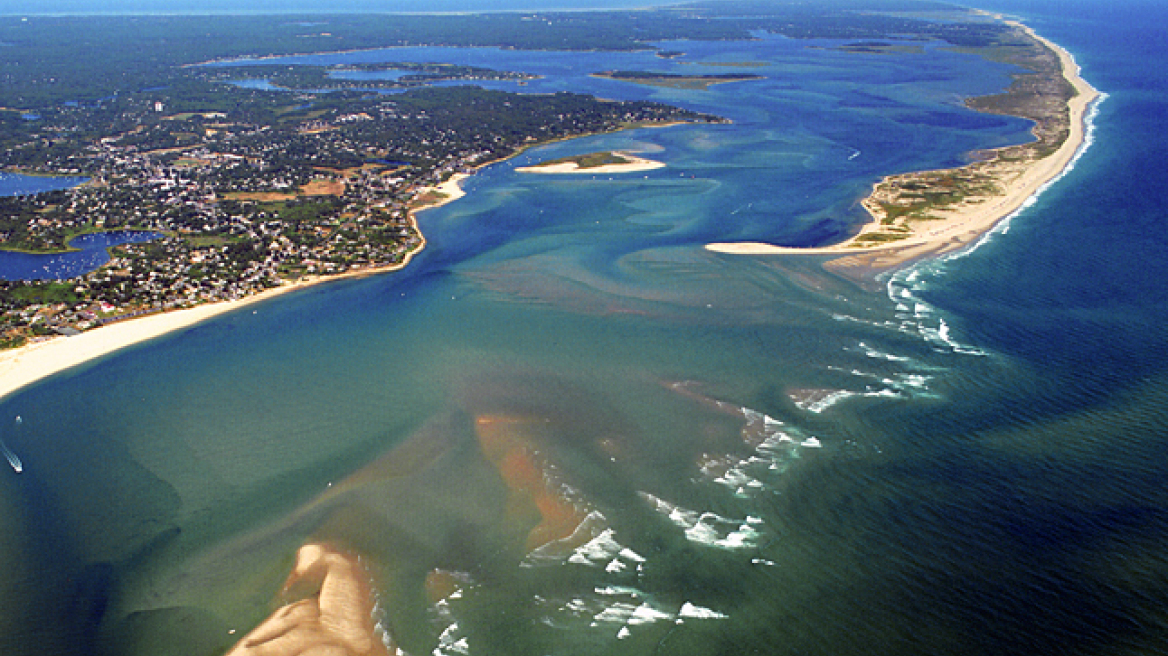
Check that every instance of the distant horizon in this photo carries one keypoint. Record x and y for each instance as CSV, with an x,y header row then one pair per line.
x,y
51,8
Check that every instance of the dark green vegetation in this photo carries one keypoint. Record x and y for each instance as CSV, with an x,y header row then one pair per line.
x,y
252,186
590,160
270,190
880,48
50,61
1040,94
332,78
675,81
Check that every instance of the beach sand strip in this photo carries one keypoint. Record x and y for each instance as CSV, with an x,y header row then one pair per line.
x,y
29,364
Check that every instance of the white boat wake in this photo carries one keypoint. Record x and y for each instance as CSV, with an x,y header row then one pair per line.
x,y
13,459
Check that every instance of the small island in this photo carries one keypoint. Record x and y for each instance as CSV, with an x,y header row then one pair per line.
x,y
603,162
675,81
879,48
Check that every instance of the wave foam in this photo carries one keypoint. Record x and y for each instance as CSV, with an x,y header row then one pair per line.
x,y
452,641
708,528
594,525
904,285
690,611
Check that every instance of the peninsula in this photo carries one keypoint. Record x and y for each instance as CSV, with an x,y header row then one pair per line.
x,y
930,213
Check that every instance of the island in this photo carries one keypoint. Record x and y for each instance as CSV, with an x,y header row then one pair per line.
x,y
604,162
930,213
673,80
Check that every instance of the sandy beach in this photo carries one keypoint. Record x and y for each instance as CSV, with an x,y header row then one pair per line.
x,y
28,364
633,165
335,615
963,225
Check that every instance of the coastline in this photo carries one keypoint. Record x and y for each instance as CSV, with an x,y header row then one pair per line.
x,y
962,226
29,364
23,366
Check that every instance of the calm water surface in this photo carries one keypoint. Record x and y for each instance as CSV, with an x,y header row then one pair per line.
x,y
755,456
15,184
89,253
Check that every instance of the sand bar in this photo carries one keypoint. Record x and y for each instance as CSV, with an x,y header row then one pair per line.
x,y
633,165
961,226
334,617
28,364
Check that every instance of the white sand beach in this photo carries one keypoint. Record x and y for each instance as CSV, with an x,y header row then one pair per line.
x,y
28,364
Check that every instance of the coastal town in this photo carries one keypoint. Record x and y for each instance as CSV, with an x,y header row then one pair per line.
x,y
314,187
251,172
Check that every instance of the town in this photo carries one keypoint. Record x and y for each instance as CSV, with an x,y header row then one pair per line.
x,y
281,186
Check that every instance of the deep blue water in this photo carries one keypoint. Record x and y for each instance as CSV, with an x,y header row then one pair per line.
x,y
14,184
90,253
967,458
90,250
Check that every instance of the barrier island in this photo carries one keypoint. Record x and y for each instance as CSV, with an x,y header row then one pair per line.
x,y
931,213
675,81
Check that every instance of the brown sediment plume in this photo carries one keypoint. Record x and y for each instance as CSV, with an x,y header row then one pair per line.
x,y
332,616
504,445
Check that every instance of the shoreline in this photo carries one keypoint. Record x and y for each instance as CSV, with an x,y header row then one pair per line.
x,y
26,365
963,226
29,364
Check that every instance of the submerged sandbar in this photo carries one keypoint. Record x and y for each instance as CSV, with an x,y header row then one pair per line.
x,y
931,213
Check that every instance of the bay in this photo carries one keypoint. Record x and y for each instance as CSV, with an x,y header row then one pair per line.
x,y
964,458
88,253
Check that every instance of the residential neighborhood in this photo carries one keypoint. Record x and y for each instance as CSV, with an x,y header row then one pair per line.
x,y
282,187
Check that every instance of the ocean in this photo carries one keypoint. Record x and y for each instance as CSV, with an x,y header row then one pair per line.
x,y
967,456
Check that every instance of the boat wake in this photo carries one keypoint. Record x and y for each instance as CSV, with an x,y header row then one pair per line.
x,y
13,459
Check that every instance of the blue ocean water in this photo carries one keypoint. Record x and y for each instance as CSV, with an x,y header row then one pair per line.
x,y
966,457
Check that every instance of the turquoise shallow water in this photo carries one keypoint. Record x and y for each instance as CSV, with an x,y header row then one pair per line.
x,y
967,457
